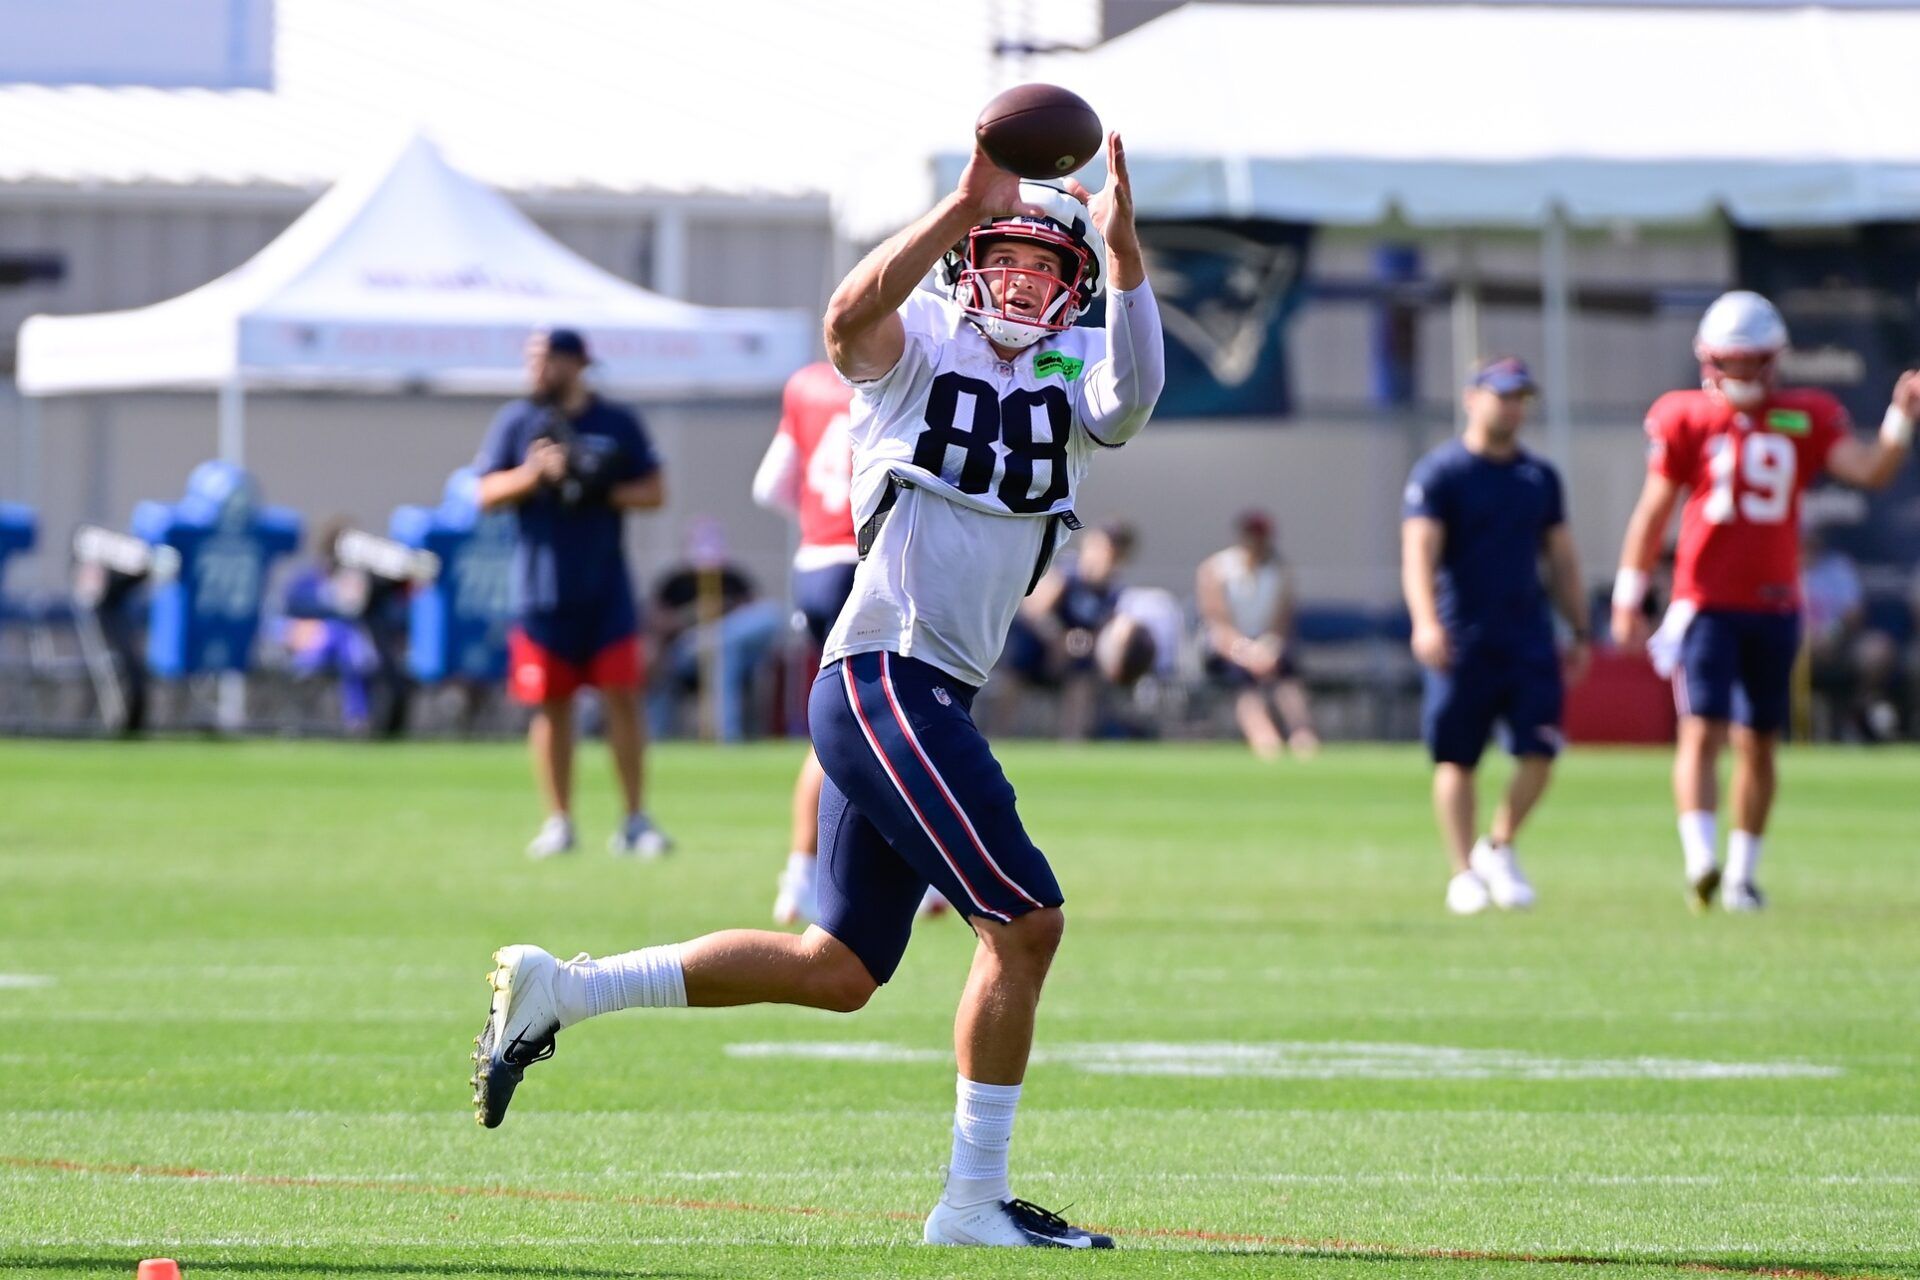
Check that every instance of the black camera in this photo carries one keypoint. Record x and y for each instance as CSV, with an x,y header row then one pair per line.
x,y
589,477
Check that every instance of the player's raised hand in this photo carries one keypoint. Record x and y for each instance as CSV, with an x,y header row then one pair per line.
x,y
1112,210
989,190
1906,393
1431,647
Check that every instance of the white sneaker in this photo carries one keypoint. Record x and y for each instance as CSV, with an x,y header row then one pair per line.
x,y
1742,895
522,1020
555,838
798,900
932,903
1467,894
639,838
1499,870
1007,1224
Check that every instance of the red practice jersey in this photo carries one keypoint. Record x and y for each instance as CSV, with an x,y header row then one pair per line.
x,y
814,411
1740,529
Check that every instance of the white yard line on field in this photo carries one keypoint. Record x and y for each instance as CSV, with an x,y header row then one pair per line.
x,y
1310,1060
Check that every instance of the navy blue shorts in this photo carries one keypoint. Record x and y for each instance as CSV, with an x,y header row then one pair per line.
x,y
1464,702
820,594
913,797
1738,665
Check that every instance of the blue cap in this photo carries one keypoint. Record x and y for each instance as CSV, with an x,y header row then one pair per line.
x,y
1503,375
567,342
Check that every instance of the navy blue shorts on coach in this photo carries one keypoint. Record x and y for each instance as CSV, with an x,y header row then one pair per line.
x,y
1464,702
1738,665
820,594
913,797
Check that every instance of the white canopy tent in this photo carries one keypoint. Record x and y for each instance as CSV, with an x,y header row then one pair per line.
x,y
408,275
1468,116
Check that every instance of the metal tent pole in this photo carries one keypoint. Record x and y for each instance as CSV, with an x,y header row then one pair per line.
x,y
1556,309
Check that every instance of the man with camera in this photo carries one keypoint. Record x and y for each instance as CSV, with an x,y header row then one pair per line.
x,y
571,465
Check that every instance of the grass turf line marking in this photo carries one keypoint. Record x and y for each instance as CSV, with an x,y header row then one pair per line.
x,y
1231,1239
1310,1060
24,981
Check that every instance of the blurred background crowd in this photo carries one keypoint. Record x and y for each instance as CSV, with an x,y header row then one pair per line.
x,y
267,269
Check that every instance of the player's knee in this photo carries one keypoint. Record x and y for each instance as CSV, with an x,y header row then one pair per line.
x,y
1034,937
841,983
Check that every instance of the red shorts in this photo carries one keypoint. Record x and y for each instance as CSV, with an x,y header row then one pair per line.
x,y
536,674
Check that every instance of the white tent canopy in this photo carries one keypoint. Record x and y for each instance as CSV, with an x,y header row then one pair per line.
x,y
410,274
1485,116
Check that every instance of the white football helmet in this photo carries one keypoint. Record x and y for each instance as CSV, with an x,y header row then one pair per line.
x,y
1739,324
1067,229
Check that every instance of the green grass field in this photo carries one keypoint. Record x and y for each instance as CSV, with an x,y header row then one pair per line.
x,y
238,985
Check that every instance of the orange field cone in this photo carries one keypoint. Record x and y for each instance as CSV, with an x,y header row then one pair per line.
x,y
158,1269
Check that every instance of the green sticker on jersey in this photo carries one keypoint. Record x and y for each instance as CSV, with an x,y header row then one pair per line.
x,y
1051,362
1790,422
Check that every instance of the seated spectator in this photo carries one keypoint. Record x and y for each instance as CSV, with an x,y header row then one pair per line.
x,y
320,626
1246,602
1069,635
707,617
1855,667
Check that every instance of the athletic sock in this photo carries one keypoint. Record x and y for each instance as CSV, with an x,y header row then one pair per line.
x,y
650,978
1698,837
982,1133
1743,856
800,864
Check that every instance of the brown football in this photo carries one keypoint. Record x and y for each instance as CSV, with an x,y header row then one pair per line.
x,y
1038,131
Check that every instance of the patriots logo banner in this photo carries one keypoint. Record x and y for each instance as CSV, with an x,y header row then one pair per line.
x,y
1226,290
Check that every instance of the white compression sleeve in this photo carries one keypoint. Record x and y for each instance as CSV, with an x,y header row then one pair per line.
x,y
1122,389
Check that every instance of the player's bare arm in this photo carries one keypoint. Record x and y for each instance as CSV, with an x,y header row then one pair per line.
x,y
546,463
648,493
1645,528
1421,541
1569,595
1872,464
864,334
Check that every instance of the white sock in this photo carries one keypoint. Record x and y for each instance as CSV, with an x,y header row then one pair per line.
x,y
800,865
1698,838
650,978
1743,856
982,1133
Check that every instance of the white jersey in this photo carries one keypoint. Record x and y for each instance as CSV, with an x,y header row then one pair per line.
x,y
985,453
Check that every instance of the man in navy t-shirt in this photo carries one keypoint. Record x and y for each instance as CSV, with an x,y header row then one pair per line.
x,y
1478,516
571,465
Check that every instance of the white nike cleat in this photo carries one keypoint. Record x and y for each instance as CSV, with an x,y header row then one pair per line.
x,y
522,1020
554,839
1743,895
797,901
1007,1224
1499,870
1467,894
639,838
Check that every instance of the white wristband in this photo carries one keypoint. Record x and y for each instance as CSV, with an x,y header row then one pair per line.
x,y
1896,428
1629,588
